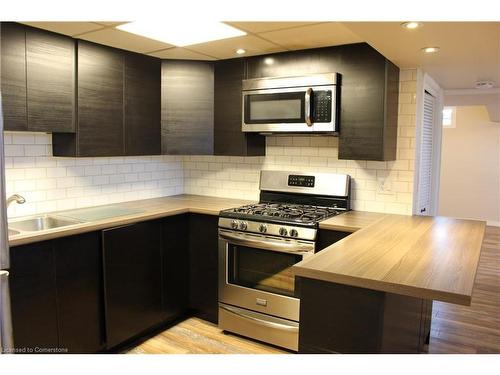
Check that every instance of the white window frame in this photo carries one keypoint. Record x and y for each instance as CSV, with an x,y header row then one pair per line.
x,y
427,83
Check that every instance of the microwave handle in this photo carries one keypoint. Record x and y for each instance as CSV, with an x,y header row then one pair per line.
x,y
307,104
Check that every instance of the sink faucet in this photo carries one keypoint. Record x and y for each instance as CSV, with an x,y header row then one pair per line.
x,y
17,198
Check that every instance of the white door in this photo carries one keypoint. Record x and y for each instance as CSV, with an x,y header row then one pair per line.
x,y
426,157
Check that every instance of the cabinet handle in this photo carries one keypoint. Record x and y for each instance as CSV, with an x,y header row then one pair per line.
x,y
264,323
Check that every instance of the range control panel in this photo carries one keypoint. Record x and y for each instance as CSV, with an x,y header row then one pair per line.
x,y
302,181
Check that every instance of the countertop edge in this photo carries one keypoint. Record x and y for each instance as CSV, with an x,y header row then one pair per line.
x,y
383,286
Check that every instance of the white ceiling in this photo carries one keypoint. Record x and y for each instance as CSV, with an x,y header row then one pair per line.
x,y
470,51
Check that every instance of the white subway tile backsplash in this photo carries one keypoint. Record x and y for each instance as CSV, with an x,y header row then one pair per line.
x,y
35,150
14,150
23,138
54,183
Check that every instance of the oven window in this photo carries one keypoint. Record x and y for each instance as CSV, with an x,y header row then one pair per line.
x,y
265,270
274,108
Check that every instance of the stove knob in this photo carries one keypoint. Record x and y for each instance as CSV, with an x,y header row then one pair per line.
x,y
234,224
294,233
243,225
283,231
263,228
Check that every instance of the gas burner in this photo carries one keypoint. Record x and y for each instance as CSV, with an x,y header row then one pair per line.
x,y
295,213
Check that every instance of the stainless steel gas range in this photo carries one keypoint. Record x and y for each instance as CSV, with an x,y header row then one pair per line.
x,y
259,244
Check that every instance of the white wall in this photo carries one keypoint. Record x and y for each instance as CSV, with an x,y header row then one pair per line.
x,y
238,177
470,167
54,183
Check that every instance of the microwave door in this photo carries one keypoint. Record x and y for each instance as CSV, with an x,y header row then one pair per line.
x,y
274,108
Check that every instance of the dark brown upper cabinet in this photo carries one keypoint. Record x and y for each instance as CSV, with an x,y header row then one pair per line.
x,y
13,64
118,104
201,109
187,107
100,100
50,76
142,104
228,137
368,99
38,79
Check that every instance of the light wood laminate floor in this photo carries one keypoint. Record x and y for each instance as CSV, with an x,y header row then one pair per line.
x,y
455,329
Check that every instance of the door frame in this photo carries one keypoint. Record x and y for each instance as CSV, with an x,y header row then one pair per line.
x,y
426,83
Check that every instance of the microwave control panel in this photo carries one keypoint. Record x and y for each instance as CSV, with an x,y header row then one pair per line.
x,y
302,181
322,110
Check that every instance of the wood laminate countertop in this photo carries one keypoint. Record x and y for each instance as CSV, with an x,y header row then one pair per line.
x,y
426,257
351,221
149,209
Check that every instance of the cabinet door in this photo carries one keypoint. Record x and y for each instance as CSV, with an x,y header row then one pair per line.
x,y
228,137
203,254
33,296
142,105
13,76
132,280
79,292
100,100
187,107
175,265
50,72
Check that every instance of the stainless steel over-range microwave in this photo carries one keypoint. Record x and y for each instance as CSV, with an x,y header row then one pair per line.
x,y
301,104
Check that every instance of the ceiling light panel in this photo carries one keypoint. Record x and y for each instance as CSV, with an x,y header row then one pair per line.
x,y
181,33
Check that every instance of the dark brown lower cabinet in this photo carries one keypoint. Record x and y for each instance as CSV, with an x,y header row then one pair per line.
x,y
79,293
132,280
337,318
33,297
56,295
175,236
203,266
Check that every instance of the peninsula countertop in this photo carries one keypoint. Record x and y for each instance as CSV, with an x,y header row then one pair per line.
x,y
426,257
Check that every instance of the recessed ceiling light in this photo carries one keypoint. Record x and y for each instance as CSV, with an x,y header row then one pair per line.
x,y
241,51
430,49
411,25
181,33
269,61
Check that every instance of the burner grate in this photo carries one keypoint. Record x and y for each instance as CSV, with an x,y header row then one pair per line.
x,y
299,213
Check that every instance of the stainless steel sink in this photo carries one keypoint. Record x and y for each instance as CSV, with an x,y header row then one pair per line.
x,y
41,222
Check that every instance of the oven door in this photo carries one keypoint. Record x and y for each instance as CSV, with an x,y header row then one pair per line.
x,y
255,272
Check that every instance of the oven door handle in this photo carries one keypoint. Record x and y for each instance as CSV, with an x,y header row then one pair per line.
x,y
265,323
294,247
